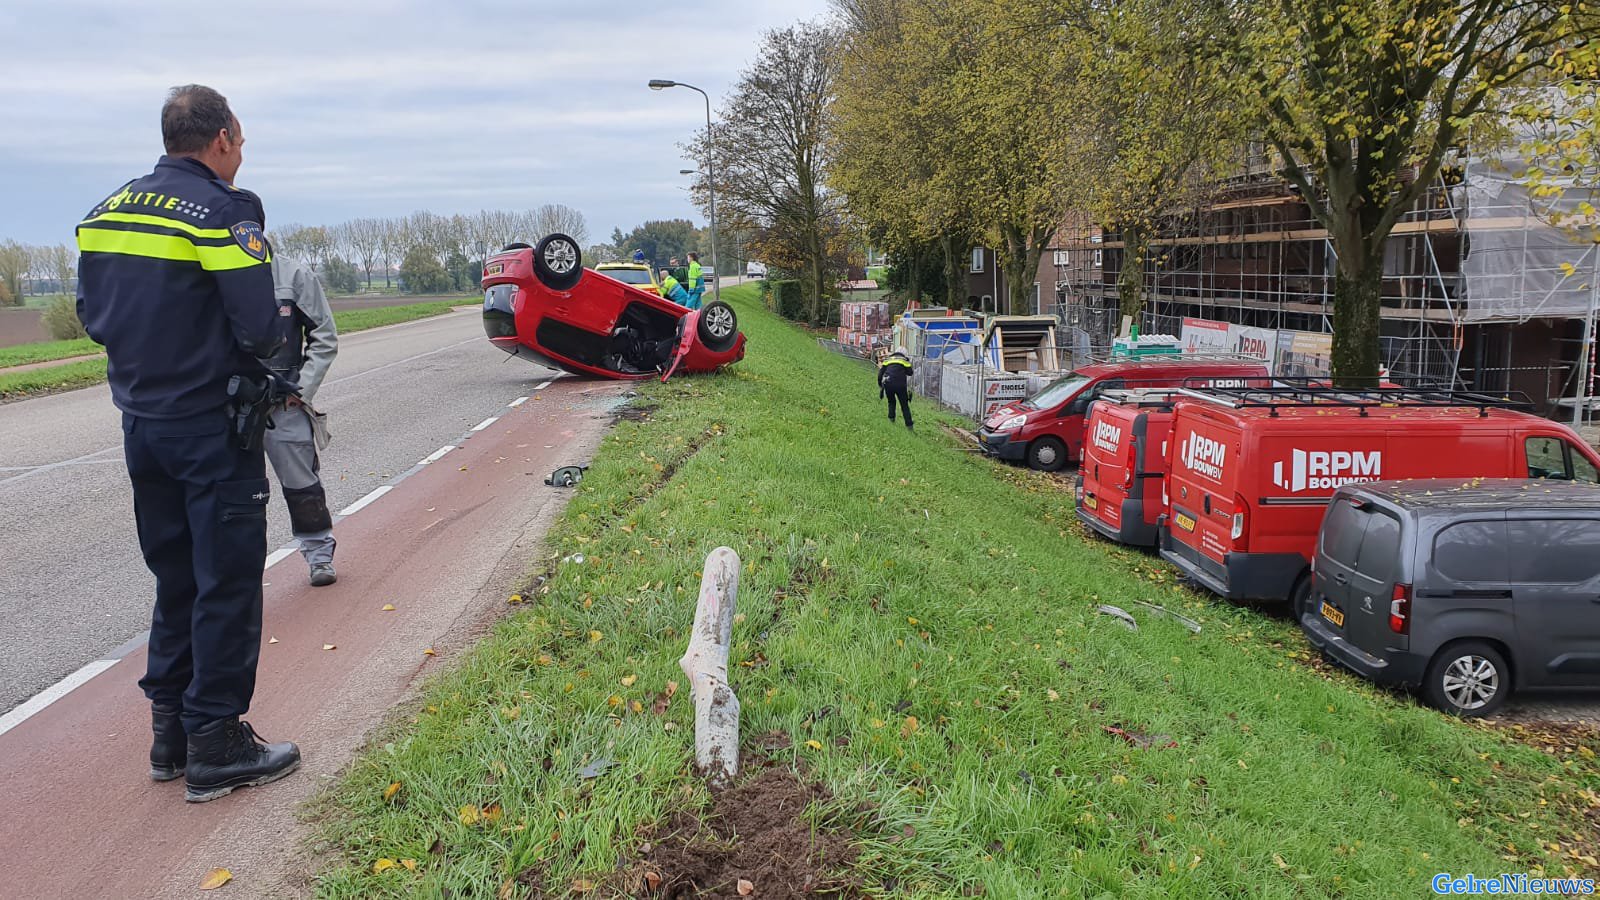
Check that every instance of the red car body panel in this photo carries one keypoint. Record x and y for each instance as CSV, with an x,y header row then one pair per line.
x,y
1276,470
575,329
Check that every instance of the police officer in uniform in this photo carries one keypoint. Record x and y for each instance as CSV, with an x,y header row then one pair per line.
x,y
175,281
292,437
893,376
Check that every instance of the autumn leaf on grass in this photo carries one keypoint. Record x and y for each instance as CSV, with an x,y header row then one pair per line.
x,y
410,864
815,745
468,815
628,680
746,887
909,726
391,790
382,865
215,878
595,637
582,886
492,813
429,652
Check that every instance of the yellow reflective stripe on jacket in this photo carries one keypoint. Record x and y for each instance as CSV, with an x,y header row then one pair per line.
x,y
138,243
159,221
164,246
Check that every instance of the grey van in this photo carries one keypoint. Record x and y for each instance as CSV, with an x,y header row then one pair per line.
x,y
1465,589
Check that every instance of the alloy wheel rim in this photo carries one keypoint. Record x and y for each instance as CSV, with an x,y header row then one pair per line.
x,y
1471,682
560,256
719,322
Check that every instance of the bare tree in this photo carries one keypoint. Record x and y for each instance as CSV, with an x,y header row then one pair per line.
x,y
14,264
771,152
60,261
364,239
553,217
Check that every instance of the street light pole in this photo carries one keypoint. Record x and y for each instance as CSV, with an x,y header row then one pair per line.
x,y
659,84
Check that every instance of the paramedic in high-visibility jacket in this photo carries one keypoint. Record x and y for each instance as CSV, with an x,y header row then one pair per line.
x,y
175,280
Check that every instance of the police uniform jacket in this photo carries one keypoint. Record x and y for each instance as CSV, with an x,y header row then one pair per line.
x,y
174,280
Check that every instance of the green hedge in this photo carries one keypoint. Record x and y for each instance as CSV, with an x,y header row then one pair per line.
x,y
789,299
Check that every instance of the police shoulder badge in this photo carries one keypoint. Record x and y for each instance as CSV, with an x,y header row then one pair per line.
x,y
251,239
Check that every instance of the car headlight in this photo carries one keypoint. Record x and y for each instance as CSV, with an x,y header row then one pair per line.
x,y
1013,423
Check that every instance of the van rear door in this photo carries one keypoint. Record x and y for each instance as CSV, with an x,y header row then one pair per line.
x,y
1358,565
1201,486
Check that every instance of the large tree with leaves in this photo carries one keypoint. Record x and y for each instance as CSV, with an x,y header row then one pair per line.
x,y
1363,99
770,156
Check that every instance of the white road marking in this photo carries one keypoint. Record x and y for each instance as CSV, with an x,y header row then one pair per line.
x,y
545,385
77,460
279,555
366,501
485,423
53,693
517,402
436,455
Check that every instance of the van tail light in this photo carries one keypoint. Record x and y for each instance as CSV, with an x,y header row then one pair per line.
x,y
1237,533
1400,610
1130,462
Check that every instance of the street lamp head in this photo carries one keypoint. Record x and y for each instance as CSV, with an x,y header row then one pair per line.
x,y
659,84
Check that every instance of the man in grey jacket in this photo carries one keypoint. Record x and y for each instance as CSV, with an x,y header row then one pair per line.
x,y
296,431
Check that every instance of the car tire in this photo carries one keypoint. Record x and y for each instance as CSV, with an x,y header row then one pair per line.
x,y
1047,454
1467,679
718,328
558,262
1300,597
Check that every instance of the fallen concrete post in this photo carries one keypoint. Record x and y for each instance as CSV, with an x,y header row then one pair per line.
x,y
705,663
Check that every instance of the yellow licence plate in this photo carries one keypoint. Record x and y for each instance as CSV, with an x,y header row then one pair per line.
x,y
1332,614
1089,501
1184,522
494,269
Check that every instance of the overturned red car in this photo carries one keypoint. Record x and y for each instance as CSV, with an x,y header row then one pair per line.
x,y
539,303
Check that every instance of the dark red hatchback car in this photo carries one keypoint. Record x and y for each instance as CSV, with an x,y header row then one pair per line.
x,y
539,303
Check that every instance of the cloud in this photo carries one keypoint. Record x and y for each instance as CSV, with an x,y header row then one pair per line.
x,y
374,109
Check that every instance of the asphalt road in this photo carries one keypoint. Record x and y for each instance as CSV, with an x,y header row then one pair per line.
x,y
72,584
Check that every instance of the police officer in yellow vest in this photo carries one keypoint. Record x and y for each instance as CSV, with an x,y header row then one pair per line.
x,y
175,280
893,375
697,282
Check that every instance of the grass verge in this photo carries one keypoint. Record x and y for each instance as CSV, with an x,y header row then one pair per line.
x,y
70,376
45,351
919,624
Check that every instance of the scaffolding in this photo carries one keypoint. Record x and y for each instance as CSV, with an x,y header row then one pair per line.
x,y
1464,270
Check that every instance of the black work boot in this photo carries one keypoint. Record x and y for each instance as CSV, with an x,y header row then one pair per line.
x,y
170,750
227,754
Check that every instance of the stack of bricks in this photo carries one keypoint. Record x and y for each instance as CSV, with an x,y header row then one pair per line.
x,y
865,326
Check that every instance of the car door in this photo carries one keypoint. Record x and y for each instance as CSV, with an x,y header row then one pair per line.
x,y
1465,588
1555,580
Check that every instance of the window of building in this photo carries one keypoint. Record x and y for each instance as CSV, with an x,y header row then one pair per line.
x,y
1097,258
977,259
1063,258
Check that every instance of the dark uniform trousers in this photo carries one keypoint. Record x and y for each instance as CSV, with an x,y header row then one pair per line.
x,y
899,394
201,508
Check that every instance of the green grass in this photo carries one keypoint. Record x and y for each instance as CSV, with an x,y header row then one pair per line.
x,y
45,351
352,320
887,576
71,376
64,377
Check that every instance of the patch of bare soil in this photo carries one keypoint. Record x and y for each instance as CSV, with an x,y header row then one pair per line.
x,y
755,841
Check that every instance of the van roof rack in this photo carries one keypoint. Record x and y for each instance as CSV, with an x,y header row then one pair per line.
x,y
1143,397
1101,359
1298,392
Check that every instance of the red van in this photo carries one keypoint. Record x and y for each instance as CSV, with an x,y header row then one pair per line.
x,y
1124,465
1251,470
1046,430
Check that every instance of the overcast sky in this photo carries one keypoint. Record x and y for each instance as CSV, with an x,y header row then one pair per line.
x,y
362,108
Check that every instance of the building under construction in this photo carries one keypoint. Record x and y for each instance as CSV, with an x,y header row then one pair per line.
x,y
1480,290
